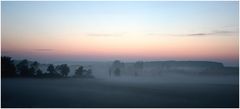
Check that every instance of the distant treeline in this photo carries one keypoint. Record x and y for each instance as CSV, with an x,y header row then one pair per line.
x,y
26,68
159,68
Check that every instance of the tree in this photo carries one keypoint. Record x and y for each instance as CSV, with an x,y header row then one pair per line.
x,y
79,72
118,64
8,68
32,70
57,68
64,69
52,72
51,69
39,73
23,68
34,67
116,68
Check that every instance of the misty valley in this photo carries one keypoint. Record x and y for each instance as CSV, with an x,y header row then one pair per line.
x,y
119,54
118,84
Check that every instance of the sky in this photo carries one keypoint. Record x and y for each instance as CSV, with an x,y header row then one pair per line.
x,y
128,31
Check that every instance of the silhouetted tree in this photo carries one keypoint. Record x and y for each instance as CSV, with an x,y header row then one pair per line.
x,y
51,69
52,72
39,73
79,72
31,70
35,66
64,69
8,68
23,68
117,66
117,63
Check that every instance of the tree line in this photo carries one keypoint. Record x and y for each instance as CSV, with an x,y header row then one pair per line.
x,y
26,68
118,67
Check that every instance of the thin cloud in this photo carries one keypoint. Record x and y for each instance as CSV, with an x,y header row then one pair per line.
x,y
221,32
224,32
198,34
44,50
104,35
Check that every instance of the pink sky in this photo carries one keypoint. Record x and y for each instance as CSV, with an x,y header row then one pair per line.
x,y
128,31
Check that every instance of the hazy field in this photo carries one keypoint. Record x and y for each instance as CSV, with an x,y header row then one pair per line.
x,y
121,92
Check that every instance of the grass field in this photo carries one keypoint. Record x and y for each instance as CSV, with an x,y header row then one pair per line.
x,y
70,92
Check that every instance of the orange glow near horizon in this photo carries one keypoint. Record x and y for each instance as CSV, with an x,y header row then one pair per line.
x,y
143,47
121,30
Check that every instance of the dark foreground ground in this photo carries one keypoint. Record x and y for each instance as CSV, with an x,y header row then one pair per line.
x,y
109,93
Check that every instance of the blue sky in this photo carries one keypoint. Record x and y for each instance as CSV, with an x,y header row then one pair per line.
x,y
55,22
206,16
